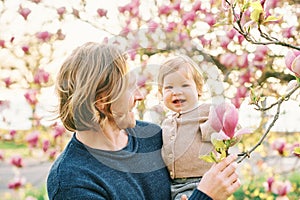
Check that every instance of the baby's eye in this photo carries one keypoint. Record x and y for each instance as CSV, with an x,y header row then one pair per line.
x,y
168,87
185,85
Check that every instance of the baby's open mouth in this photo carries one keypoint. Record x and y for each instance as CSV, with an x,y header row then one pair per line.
x,y
177,101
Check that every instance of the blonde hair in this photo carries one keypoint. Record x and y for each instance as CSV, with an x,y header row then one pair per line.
x,y
173,64
93,72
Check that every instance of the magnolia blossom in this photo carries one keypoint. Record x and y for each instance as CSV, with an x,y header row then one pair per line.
x,y
101,12
268,184
24,12
31,97
17,161
16,183
280,146
281,188
224,120
60,11
2,43
292,61
1,155
41,76
25,48
44,36
33,138
7,82
58,130
152,26
45,145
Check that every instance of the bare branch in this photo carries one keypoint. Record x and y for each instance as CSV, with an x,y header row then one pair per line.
x,y
278,103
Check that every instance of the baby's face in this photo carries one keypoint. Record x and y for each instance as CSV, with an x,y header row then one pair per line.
x,y
179,91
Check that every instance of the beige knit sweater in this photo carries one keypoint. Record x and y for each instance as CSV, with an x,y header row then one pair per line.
x,y
186,136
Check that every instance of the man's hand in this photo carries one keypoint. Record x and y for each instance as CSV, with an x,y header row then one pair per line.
x,y
221,181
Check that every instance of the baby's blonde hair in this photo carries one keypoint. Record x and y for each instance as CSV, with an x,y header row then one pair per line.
x,y
173,64
93,72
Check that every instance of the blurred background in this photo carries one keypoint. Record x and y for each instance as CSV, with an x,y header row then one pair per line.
x,y
248,52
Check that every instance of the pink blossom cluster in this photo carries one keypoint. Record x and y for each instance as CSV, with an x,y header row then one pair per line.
x,y
292,61
41,76
280,188
283,148
224,120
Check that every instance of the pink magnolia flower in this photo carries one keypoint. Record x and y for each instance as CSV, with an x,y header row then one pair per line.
x,y
228,60
197,6
25,49
188,17
131,7
152,26
239,96
24,12
44,36
164,10
12,133
1,155
242,61
295,145
31,97
210,20
224,119
230,34
58,130
101,12
171,26
61,11
17,161
292,61
281,188
2,43
204,41
224,41
45,145
16,183
280,146
7,81
176,6
33,138
52,154
270,182
288,32
41,76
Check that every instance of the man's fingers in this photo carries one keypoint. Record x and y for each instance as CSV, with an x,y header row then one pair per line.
x,y
234,186
227,161
229,170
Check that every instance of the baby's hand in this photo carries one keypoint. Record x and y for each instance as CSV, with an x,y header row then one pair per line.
x,y
184,197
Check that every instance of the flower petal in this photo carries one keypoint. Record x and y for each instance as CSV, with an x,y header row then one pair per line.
x,y
230,120
296,66
219,136
214,119
242,131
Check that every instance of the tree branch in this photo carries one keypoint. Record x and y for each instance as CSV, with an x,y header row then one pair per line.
x,y
278,103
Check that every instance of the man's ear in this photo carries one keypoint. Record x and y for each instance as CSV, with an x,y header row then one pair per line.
x,y
99,105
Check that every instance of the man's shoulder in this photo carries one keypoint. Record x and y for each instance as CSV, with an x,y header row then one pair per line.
x,y
147,125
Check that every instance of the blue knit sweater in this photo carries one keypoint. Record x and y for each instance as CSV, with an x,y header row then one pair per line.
x,y
135,172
